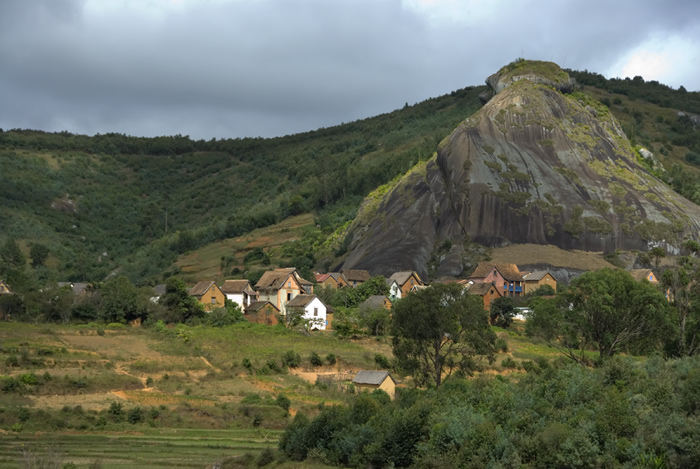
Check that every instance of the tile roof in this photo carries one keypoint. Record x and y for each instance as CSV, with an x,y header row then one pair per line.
x,y
509,272
481,288
372,377
256,306
402,277
355,275
536,275
77,287
272,279
236,286
374,302
201,288
301,300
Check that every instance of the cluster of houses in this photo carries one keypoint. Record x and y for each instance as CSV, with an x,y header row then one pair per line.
x,y
281,291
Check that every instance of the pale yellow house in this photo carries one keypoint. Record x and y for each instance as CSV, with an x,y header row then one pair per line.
x,y
533,280
370,380
4,289
209,295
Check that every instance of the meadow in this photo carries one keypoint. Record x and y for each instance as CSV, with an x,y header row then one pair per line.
x,y
114,396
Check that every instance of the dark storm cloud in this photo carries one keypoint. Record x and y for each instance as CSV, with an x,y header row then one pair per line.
x,y
274,67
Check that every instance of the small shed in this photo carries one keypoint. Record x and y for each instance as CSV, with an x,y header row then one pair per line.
x,y
371,380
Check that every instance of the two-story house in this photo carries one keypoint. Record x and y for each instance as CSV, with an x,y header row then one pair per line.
x,y
280,286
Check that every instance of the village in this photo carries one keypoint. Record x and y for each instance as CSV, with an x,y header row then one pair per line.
x,y
282,290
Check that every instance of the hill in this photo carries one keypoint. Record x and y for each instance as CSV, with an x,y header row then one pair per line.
x,y
113,203
539,163
109,204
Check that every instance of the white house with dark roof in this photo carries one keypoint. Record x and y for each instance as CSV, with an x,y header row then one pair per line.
x,y
312,309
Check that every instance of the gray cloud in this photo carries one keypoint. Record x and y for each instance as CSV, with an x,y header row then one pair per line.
x,y
275,67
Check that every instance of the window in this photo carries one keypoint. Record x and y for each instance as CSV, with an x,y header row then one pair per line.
x,y
289,297
213,300
315,311
289,284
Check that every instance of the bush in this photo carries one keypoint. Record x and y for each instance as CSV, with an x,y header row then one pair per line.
x,y
315,359
266,457
284,402
135,415
291,359
330,358
116,411
502,345
247,364
509,363
382,361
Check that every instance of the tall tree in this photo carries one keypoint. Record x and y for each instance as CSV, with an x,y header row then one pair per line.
x,y
39,253
121,301
607,308
11,255
180,306
438,330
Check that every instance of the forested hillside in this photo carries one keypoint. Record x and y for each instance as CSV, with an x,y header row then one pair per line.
x,y
106,202
113,201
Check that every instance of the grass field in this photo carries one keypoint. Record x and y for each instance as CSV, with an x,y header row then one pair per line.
x,y
156,448
186,397
205,263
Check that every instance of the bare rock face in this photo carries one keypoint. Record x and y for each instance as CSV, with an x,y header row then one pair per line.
x,y
537,164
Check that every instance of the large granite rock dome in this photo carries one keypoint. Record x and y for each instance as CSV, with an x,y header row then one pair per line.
x,y
537,164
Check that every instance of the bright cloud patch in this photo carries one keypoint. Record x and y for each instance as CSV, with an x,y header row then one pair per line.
x,y
667,60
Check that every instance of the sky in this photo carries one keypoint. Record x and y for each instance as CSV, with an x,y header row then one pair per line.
x,y
266,68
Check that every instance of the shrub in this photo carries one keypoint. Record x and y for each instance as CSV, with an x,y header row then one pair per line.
x,y
247,364
291,359
284,402
502,345
382,361
509,363
135,415
315,359
116,411
12,360
330,358
266,457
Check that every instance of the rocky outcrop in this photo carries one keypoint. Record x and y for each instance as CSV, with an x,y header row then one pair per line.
x,y
534,165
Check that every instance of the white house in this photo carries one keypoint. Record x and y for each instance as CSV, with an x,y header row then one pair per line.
x,y
394,289
240,292
314,311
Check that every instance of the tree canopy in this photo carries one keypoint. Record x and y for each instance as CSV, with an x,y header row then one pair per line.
x,y
607,308
438,330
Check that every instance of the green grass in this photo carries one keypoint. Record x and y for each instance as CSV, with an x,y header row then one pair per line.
x,y
155,448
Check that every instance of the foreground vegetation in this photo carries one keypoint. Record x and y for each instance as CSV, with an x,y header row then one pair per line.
x,y
625,414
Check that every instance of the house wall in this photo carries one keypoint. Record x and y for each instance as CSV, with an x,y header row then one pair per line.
x,y
317,322
330,281
496,278
266,315
219,298
492,294
410,283
395,291
289,290
387,386
534,285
